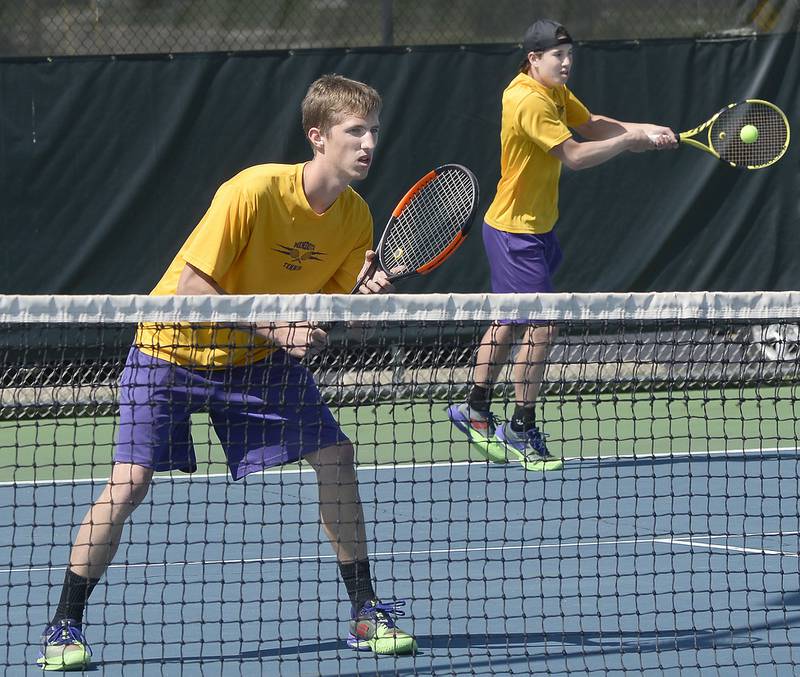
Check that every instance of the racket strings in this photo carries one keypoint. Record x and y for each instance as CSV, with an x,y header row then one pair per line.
x,y
429,222
772,134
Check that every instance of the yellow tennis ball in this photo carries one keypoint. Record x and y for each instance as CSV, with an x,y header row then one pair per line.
x,y
748,134
722,136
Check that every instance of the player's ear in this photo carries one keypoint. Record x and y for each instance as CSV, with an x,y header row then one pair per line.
x,y
316,139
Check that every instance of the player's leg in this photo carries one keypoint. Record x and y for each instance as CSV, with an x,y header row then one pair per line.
x,y
531,361
522,437
490,357
99,534
474,417
341,514
540,255
372,625
152,434
282,419
64,646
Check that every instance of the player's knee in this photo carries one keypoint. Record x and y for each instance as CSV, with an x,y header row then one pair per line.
x,y
128,486
541,334
336,461
501,333
346,455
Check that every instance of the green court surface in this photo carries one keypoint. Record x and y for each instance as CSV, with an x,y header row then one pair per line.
x,y
588,425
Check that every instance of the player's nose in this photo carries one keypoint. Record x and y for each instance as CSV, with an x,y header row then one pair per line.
x,y
369,141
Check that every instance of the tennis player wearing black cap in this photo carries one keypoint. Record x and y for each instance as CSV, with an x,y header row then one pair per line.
x,y
539,112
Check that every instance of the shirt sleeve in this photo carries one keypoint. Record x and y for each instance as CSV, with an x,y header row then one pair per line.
x,y
222,233
577,113
345,278
537,117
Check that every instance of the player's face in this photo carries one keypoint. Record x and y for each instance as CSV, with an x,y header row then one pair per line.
x,y
553,66
350,145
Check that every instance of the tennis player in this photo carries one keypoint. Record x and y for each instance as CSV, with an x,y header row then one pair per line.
x,y
271,229
539,112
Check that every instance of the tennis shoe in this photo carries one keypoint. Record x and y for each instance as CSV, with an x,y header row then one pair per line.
x,y
372,628
528,448
479,429
64,647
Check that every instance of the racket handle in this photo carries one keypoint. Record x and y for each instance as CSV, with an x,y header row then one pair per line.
x,y
675,136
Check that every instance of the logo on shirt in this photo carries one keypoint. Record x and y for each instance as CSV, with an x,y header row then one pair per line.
x,y
560,109
298,254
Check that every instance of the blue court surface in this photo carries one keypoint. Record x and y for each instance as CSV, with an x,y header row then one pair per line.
x,y
659,565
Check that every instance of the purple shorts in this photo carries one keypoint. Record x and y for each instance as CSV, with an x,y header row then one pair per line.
x,y
264,414
521,263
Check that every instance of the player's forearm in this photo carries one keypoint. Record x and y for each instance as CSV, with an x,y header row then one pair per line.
x,y
194,282
297,338
579,156
600,128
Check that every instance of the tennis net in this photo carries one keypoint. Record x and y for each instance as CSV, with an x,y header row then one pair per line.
x,y
669,540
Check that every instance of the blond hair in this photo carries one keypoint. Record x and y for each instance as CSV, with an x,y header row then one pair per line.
x,y
333,97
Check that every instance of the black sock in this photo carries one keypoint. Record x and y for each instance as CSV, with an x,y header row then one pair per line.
x,y
74,596
480,399
524,418
358,581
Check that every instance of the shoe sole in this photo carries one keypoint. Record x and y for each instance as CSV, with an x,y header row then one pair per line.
x,y
61,666
535,466
384,647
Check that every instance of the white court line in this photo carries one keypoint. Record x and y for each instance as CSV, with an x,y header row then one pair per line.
x,y
691,543
569,460
387,553
755,534
426,552
294,469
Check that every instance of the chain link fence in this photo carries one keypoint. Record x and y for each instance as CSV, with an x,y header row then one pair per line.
x,y
95,27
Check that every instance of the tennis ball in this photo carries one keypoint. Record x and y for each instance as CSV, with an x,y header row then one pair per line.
x,y
748,134
722,136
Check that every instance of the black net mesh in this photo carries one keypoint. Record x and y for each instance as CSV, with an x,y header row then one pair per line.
x,y
659,527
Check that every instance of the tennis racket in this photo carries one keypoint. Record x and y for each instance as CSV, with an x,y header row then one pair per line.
x,y
428,224
751,134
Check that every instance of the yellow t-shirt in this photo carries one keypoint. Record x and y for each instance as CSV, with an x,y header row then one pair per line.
x,y
260,236
535,120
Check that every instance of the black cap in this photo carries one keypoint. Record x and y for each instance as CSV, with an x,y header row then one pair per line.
x,y
544,34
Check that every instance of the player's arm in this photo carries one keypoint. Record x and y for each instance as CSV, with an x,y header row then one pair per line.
x,y
587,154
602,127
194,282
298,339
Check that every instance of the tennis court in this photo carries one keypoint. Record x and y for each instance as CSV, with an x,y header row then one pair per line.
x,y
669,541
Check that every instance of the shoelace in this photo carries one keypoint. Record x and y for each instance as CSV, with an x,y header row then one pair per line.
x,y
67,634
536,439
386,611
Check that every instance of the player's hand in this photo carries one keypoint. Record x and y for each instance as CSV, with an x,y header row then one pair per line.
x,y
298,339
663,138
375,280
640,141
